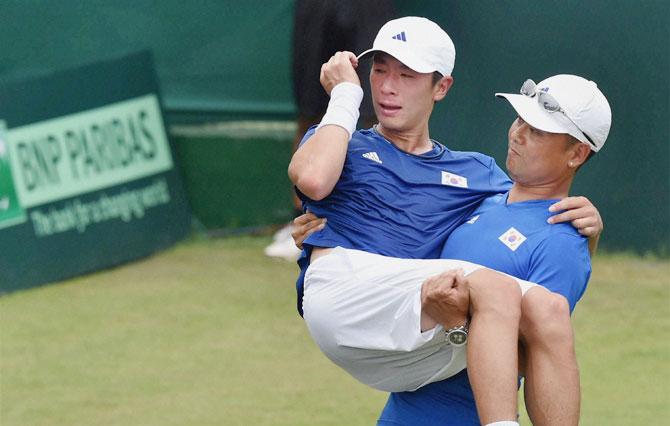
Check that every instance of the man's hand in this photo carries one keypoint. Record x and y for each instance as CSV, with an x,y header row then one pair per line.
x,y
340,68
304,226
583,215
446,298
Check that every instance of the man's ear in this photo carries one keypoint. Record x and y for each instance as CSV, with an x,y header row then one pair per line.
x,y
442,87
579,154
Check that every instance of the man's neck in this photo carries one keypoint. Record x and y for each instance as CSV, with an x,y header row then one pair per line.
x,y
552,191
414,142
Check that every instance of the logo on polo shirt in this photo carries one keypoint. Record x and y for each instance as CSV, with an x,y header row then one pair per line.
x,y
372,156
473,219
512,238
453,179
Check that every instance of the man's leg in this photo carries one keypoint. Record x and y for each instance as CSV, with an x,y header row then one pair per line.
x,y
492,344
552,391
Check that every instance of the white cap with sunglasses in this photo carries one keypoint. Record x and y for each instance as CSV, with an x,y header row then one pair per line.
x,y
565,104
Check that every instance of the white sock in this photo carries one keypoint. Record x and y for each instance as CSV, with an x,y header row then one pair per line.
x,y
504,423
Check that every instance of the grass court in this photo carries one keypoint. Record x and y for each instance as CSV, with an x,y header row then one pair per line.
x,y
206,333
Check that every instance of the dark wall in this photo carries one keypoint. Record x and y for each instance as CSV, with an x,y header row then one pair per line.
x,y
211,55
622,45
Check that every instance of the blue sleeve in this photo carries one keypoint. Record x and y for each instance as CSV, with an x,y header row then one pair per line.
x,y
562,264
308,134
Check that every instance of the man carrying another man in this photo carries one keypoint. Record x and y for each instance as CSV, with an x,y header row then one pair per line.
x,y
393,191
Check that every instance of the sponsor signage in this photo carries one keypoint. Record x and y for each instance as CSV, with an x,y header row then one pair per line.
x,y
87,175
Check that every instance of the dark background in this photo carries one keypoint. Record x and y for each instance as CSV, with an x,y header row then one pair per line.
x,y
230,60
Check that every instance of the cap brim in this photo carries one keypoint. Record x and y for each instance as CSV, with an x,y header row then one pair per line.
x,y
403,55
366,54
531,112
529,109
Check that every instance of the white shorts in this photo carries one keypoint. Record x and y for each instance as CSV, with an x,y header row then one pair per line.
x,y
364,312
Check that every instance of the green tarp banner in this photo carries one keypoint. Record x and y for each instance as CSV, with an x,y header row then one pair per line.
x,y
224,59
87,174
217,56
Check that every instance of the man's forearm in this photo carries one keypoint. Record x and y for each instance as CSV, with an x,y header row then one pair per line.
x,y
317,165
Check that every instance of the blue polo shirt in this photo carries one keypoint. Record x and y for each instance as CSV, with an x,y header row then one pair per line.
x,y
515,239
393,203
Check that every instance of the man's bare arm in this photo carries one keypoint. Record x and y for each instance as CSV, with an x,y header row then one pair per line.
x,y
317,165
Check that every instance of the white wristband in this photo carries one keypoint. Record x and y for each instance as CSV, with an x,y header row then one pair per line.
x,y
345,99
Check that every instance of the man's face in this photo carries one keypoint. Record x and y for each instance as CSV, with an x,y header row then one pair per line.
x,y
535,157
403,99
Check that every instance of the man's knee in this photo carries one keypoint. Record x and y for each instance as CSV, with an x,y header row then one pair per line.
x,y
494,292
545,316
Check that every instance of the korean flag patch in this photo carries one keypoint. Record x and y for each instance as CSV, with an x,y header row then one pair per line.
x,y
512,238
452,179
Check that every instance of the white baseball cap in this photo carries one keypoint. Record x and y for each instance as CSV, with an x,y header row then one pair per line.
x,y
565,104
418,43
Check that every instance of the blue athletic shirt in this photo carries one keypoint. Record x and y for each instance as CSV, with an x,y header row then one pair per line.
x,y
393,203
515,239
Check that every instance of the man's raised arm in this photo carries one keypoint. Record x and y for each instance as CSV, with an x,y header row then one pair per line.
x,y
317,164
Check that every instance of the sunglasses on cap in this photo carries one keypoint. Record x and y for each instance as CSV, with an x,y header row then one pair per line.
x,y
548,102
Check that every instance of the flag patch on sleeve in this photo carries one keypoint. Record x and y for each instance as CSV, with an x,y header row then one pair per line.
x,y
452,179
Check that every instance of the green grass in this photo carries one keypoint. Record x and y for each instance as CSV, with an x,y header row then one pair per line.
x,y
206,334
623,342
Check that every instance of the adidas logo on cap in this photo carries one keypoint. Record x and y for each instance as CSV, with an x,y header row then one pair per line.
x,y
425,46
